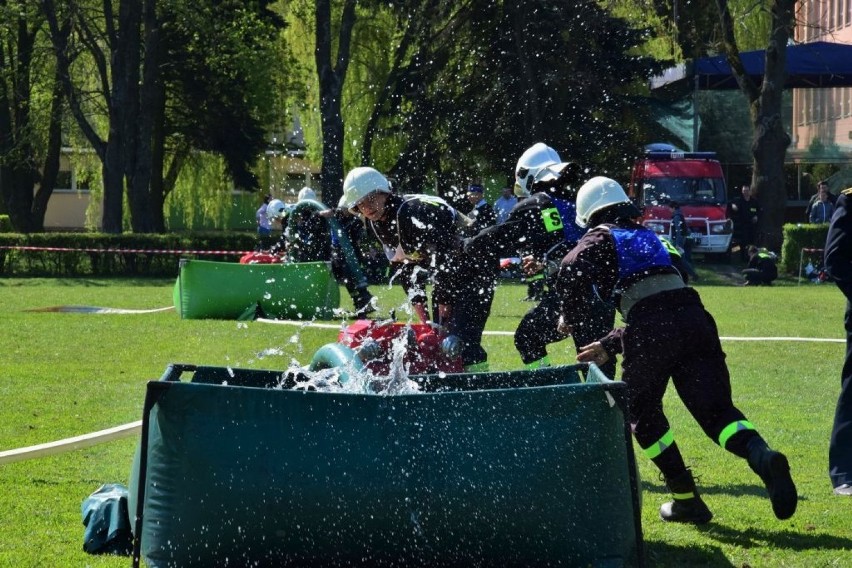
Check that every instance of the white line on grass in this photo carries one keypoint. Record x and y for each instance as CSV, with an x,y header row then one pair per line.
x,y
298,323
69,444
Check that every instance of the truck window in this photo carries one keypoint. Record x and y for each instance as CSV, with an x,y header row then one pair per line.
x,y
686,191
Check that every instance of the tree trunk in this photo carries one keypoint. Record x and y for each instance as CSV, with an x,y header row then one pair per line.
x,y
50,170
18,171
331,80
770,142
157,189
149,99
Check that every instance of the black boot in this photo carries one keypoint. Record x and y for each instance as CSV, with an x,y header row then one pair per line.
x,y
687,506
363,302
774,471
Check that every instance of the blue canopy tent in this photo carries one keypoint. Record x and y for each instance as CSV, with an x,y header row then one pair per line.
x,y
809,65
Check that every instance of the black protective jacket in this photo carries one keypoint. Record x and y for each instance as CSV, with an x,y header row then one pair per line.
x,y
533,228
838,246
426,231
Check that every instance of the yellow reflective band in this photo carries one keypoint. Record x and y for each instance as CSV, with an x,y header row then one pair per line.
x,y
534,277
538,364
670,248
732,429
477,367
683,496
659,446
552,220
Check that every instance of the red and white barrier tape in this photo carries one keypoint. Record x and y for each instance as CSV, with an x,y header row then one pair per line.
x,y
123,251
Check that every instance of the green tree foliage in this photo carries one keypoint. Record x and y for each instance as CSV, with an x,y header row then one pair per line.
x,y
31,106
172,76
480,81
223,60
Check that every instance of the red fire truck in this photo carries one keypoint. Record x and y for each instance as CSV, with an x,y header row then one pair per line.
x,y
666,175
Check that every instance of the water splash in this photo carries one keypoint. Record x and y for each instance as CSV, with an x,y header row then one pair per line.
x,y
355,379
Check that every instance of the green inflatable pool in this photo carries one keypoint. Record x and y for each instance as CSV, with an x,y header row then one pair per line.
x,y
228,290
525,468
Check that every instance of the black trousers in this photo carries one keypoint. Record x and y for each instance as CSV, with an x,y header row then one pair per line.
x,y
468,316
671,335
840,444
538,329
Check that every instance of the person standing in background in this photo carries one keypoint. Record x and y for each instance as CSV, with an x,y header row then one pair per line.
x,y
681,240
264,228
815,197
746,213
504,204
822,208
482,213
838,263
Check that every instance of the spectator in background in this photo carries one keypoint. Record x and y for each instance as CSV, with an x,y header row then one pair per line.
x,y
504,204
822,208
815,197
482,213
681,239
264,227
745,211
761,270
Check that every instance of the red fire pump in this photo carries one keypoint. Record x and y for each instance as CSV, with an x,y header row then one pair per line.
x,y
423,353
260,258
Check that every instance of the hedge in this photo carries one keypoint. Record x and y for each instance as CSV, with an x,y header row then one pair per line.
x,y
797,237
97,254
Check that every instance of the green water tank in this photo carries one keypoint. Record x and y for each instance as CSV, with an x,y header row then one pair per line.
x,y
525,468
226,290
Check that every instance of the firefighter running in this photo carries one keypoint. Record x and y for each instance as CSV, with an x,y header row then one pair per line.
x,y
668,334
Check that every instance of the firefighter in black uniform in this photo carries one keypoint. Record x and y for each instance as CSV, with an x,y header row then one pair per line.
x,y
668,334
541,229
838,263
426,232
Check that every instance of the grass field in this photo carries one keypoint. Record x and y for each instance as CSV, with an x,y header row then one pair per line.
x,y
65,374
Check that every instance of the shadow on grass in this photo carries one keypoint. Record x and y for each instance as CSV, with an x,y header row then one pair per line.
x,y
733,490
786,539
661,554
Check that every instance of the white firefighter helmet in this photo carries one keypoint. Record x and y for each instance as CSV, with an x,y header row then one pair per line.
x,y
359,183
531,163
276,209
597,194
307,193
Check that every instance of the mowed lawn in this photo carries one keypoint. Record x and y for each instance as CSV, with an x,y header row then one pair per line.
x,y
66,374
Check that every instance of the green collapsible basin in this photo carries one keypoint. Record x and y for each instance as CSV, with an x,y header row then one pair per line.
x,y
226,290
527,468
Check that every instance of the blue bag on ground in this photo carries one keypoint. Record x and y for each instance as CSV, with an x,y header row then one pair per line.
x,y
107,521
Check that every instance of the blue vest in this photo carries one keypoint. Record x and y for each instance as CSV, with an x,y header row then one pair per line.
x,y
568,213
638,250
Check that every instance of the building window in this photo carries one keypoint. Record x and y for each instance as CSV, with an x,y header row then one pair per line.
x,y
67,181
